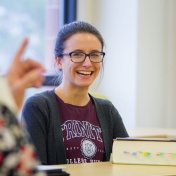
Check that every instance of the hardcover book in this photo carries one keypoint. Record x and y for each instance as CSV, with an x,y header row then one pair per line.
x,y
53,170
150,151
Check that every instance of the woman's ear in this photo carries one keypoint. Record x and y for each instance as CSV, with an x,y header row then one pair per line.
x,y
58,62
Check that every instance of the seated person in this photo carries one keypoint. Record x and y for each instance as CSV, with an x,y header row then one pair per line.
x,y
17,154
67,124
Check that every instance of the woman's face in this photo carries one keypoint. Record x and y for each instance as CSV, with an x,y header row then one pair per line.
x,y
80,74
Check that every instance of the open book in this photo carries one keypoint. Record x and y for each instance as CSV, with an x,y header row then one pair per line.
x,y
151,151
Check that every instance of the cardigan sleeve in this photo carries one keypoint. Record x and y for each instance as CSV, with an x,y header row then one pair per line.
x,y
119,129
35,120
110,118
42,118
111,123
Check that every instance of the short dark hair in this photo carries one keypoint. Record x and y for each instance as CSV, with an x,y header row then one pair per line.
x,y
73,28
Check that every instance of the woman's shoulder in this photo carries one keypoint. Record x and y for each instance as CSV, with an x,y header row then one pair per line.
x,y
42,96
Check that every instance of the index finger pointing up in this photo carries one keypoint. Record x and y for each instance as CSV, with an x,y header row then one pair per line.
x,y
20,51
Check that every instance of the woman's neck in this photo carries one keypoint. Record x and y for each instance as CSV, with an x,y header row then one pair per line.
x,y
74,96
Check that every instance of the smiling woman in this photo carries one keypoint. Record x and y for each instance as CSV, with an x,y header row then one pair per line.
x,y
67,124
81,70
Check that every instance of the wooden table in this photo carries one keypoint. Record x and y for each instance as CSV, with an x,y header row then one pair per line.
x,y
109,169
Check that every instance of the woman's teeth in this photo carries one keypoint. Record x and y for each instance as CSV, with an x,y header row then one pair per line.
x,y
84,72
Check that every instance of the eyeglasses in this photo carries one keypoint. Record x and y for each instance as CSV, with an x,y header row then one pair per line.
x,y
79,57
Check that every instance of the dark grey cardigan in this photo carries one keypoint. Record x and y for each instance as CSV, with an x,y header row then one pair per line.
x,y
43,124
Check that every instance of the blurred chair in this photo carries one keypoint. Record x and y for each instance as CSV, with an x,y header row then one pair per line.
x,y
98,95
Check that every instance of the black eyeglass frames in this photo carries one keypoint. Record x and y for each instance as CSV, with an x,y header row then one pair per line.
x,y
78,57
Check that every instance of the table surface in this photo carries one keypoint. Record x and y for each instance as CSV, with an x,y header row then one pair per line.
x,y
152,132
109,169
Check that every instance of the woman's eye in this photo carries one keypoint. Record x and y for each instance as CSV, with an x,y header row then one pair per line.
x,y
94,55
77,54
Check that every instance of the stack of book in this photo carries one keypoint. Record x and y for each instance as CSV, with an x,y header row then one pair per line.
x,y
150,151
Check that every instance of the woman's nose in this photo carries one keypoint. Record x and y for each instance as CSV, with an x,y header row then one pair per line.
x,y
87,61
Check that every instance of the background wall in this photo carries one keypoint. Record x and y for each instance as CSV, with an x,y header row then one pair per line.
x,y
156,73
139,74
